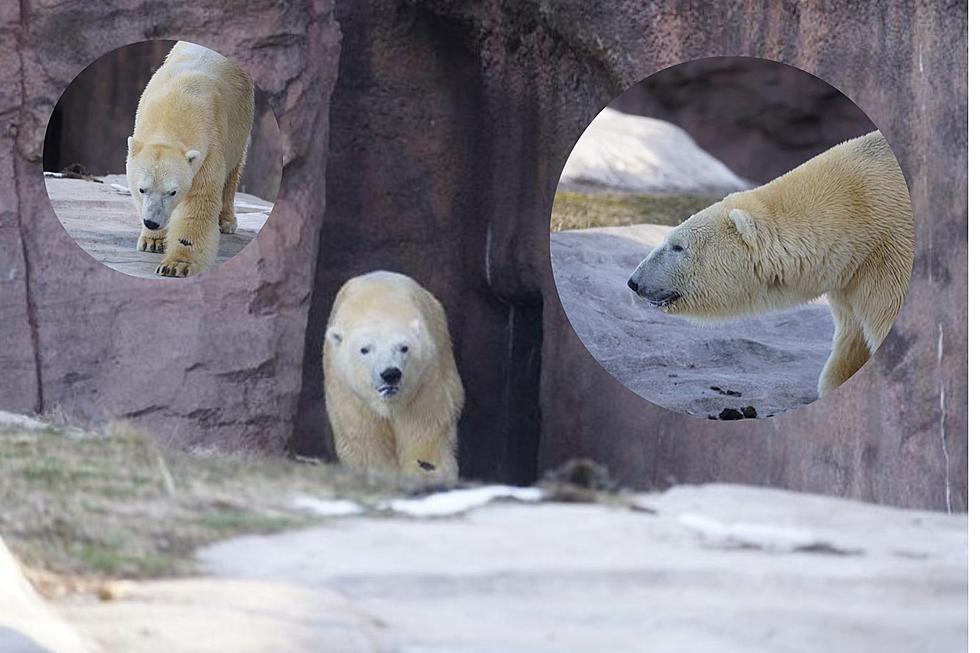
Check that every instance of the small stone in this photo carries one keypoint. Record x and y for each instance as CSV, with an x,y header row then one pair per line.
x,y
729,414
750,412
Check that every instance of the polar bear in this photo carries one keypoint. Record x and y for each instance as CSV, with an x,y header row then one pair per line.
x,y
840,224
392,390
186,155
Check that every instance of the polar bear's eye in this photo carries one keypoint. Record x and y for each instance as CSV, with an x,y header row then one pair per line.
x,y
142,190
677,248
172,193
404,349
365,349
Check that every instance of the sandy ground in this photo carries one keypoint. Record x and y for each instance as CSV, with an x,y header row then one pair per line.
x,y
101,218
772,360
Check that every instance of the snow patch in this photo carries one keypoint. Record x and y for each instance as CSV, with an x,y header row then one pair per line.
x,y
22,421
634,153
455,502
328,507
764,537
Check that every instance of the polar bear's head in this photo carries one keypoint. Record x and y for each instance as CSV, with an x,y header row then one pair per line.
x,y
709,266
159,177
381,360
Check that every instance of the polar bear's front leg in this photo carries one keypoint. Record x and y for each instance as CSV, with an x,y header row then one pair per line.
x,y
427,455
192,246
152,241
850,350
227,221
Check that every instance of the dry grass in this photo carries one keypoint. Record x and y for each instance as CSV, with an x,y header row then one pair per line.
x,y
117,506
578,210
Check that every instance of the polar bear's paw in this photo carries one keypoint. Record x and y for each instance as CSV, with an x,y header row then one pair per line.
x,y
152,241
179,269
227,223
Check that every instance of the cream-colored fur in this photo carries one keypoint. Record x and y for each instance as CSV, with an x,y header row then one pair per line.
x,y
839,224
186,155
378,321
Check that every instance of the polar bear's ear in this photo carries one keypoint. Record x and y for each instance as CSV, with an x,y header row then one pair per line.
x,y
336,337
192,156
745,225
134,145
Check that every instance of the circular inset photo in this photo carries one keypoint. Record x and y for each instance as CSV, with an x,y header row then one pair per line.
x,y
161,159
732,238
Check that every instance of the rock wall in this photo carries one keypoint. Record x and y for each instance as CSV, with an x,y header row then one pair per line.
x,y
448,128
211,362
759,117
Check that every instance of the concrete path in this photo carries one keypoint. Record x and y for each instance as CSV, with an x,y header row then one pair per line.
x,y
102,220
214,616
715,568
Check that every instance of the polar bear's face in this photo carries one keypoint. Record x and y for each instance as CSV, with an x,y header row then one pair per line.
x,y
706,267
381,362
159,178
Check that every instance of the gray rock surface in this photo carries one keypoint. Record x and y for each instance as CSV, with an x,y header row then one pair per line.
x,y
773,361
101,219
564,578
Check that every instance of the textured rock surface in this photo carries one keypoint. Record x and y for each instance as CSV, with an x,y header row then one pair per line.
x,y
213,362
449,127
761,118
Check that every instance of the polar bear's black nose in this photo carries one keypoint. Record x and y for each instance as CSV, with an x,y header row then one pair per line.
x,y
151,225
632,284
391,375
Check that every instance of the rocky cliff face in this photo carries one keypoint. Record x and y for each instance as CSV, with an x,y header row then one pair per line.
x,y
210,362
448,128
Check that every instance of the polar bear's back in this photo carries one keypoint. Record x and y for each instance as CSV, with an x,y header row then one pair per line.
x,y
199,82
382,295
844,203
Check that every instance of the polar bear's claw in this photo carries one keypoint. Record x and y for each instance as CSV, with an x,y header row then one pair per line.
x,y
177,269
227,225
146,244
